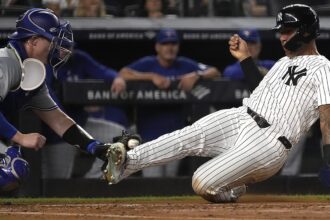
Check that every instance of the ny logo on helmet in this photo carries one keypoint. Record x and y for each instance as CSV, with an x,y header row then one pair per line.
x,y
294,75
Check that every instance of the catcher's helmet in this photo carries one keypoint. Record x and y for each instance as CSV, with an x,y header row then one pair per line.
x,y
43,22
302,17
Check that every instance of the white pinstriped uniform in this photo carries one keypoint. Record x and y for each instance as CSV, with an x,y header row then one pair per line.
x,y
242,151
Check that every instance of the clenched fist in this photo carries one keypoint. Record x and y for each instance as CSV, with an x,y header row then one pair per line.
x,y
31,140
238,48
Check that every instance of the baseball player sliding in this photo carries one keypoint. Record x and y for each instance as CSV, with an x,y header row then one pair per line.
x,y
250,143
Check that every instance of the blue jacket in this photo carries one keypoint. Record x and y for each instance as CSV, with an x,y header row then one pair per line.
x,y
153,121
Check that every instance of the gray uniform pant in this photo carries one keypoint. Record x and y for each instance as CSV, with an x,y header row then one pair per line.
x,y
58,159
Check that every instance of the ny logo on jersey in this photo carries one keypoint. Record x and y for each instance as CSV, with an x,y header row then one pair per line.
x,y
293,75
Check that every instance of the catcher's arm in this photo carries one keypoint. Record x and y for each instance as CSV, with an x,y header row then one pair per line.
x,y
325,149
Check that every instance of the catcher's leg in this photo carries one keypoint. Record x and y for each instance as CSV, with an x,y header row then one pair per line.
x,y
210,136
256,155
13,169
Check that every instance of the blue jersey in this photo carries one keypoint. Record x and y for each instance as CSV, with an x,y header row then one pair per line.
x,y
235,72
153,121
82,66
181,66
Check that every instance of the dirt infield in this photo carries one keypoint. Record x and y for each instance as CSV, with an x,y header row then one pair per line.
x,y
249,207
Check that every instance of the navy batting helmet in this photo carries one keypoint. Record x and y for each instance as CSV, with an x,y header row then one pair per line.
x,y
43,22
302,17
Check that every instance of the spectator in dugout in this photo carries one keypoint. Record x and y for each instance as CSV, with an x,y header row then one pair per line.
x,y
104,122
162,69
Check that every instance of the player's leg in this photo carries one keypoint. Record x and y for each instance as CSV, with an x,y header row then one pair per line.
x,y
58,160
210,136
293,162
256,155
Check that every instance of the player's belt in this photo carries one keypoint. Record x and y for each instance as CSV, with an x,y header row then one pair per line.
x,y
262,123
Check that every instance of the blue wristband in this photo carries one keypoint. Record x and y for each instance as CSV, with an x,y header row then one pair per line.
x,y
6,129
91,147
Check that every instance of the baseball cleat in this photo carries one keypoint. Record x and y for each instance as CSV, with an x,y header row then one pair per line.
x,y
116,155
237,192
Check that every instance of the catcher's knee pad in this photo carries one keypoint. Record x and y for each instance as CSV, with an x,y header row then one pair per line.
x,y
13,170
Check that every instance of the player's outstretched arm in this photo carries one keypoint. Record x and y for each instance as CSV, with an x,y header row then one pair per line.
x,y
72,133
325,150
56,119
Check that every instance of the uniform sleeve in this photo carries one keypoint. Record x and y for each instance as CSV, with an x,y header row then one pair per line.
x,y
191,65
7,130
323,85
95,69
41,100
233,72
141,65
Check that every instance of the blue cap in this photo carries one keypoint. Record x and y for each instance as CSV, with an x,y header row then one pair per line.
x,y
249,35
167,36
